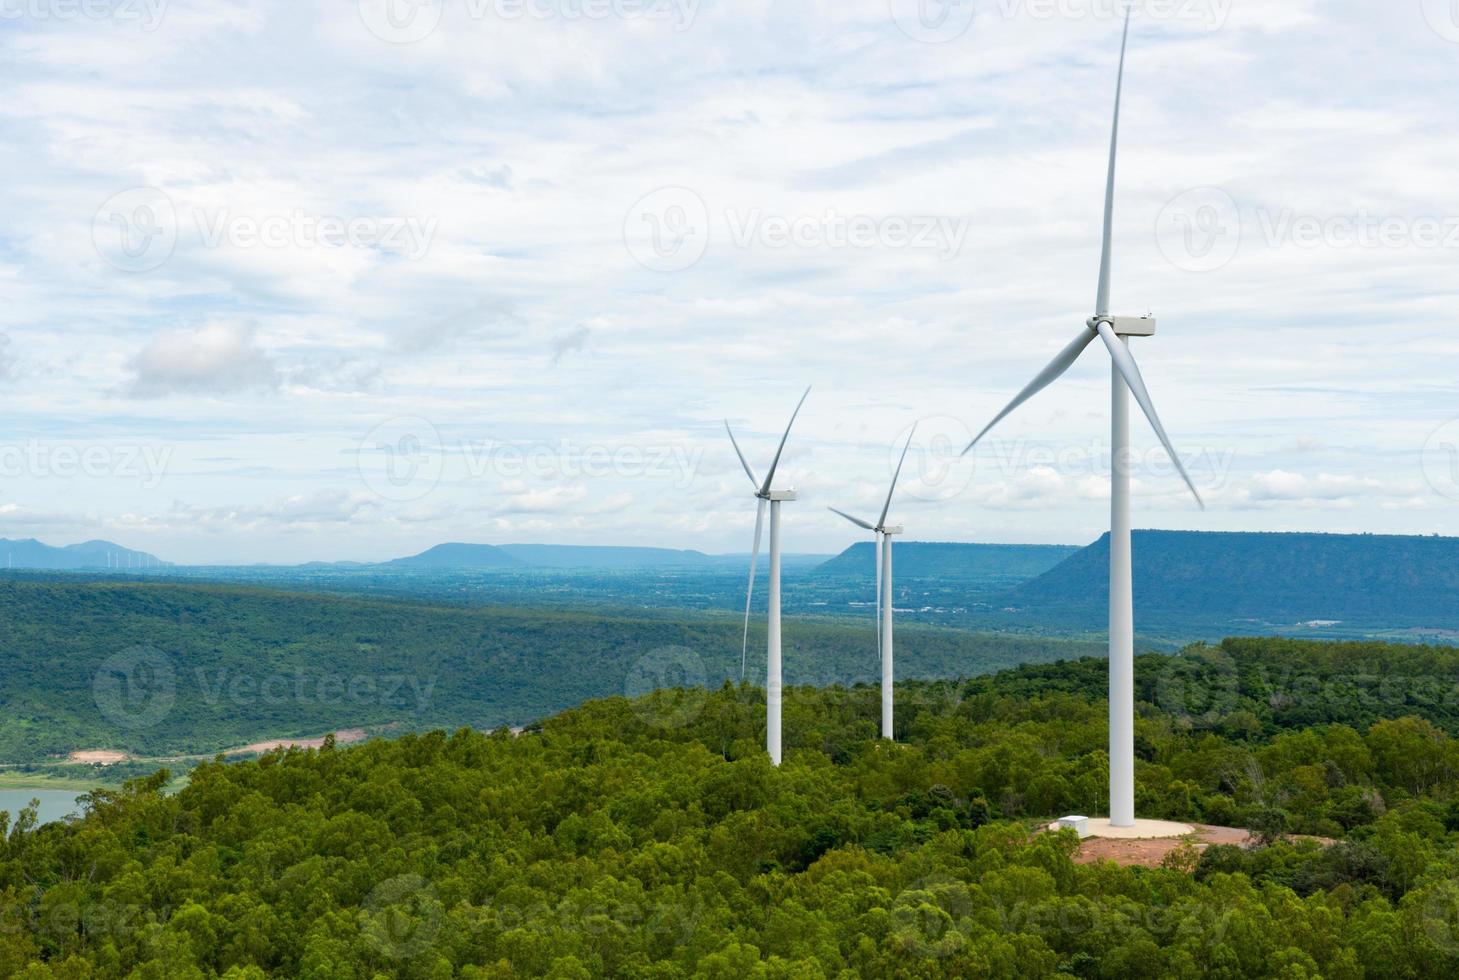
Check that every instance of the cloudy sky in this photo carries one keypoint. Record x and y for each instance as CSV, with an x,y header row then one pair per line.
x,y
321,279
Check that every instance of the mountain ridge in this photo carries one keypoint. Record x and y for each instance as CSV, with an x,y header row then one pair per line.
x,y
1266,578
980,563
28,553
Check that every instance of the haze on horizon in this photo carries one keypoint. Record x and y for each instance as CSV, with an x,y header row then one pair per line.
x,y
351,294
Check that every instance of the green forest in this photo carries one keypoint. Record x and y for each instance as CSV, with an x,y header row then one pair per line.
x,y
176,668
650,837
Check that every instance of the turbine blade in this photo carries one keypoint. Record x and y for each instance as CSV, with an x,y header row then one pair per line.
x,y
854,520
1130,371
770,477
754,480
750,590
895,477
1046,377
1106,257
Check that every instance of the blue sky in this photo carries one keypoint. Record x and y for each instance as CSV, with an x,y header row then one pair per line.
x,y
334,279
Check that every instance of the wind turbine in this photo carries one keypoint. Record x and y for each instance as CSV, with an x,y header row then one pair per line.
x,y
884,534
1115,332
766,494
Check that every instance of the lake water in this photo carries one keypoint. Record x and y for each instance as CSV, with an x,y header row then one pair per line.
x,y
55,803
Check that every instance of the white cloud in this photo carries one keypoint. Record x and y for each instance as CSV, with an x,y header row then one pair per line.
x,y
219,358
1327,491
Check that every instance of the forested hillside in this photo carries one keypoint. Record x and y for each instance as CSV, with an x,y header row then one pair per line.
x,y
157,668
1264,579
651,838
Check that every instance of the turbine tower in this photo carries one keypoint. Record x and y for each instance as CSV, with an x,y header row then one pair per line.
x,y
766,494
1115,332
884,534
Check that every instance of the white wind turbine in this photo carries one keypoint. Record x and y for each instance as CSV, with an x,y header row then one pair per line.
x,y
884,534
1115,332
766,493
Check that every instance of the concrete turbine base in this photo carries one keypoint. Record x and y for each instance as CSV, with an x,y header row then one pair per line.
x,y
1143,830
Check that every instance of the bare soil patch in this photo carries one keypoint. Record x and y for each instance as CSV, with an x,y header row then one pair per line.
x,y
346,737
99,757
1150,853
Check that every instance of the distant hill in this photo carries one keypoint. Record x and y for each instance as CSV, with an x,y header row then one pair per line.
x,y
552,557
459,556
1263,579
568,556
32,554
980,563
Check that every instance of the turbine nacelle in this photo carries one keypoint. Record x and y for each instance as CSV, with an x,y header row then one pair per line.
x,y
1124,326
777,496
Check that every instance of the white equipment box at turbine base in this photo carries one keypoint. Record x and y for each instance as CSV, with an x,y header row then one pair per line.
x,y
1080,825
